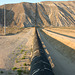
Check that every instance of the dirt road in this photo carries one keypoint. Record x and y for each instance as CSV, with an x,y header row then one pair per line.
x,y
10,45
62,55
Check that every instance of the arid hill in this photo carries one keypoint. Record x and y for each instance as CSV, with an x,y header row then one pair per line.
x,y
47,14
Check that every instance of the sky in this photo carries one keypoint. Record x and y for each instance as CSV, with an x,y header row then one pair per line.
x,y
18,1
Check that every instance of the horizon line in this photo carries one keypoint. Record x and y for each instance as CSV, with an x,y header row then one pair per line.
x,y
32,2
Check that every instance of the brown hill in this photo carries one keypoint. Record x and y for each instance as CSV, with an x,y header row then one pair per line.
x,y
47,14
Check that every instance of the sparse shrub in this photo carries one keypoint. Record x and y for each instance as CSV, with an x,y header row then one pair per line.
x,y
23,57
21,51
14,68
28,64
25,64
25,53
27,72
16,61
1,72
18,47
12,53
16,53
21,46
19,71
20,65
24,71
9,59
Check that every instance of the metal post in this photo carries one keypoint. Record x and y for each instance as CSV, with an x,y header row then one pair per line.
x,y
4,20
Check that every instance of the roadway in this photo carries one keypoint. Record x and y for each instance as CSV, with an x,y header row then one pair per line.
x,y
62,64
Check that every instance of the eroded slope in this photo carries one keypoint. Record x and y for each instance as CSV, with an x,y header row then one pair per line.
x,y
48,14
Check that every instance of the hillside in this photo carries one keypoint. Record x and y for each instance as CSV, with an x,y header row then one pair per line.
x,y
47,14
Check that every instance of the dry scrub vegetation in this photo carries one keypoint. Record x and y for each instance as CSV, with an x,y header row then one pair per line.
x,y
15,52
11,30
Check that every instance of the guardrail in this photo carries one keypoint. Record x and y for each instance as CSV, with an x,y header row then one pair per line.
x,y
40,64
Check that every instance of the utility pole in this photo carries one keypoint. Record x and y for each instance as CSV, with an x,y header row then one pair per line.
x,y
4,20
36,17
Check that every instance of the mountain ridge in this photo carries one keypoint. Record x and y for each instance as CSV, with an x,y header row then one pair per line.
x,y
49,13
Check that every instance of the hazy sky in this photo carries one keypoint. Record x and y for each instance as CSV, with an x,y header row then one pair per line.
x,y
18,1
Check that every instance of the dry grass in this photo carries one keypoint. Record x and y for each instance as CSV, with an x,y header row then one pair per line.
x,y
11,30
